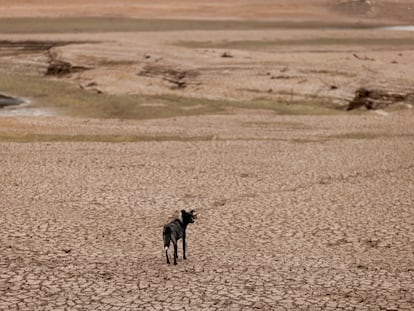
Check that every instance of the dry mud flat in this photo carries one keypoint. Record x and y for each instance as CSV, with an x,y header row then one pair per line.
x,y
295,212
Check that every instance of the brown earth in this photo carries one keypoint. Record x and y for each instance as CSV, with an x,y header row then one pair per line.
x,y
295,212
314,50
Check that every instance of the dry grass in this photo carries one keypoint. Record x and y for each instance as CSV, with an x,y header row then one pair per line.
x,y
281,125
106,24
358,135
367,135
312,42
26,138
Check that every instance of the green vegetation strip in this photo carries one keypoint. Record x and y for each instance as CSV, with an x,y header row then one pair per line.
x,y
367,135
65,98
258,44
68,99
17,137
106,24
26,138
358,135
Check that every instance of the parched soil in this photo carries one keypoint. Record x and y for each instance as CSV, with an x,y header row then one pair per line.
x,y
294,213
225,108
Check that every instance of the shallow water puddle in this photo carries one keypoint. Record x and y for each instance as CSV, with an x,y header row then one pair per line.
x,y
10,101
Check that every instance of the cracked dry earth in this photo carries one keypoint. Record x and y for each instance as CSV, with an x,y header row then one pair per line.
x,y
299,213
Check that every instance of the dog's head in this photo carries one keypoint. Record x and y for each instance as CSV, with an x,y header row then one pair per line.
x,y
188,217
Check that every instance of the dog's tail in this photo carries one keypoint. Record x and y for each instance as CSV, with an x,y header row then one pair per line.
x,y
167,237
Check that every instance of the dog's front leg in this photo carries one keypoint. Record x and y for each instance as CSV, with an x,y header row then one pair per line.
x,y
184,247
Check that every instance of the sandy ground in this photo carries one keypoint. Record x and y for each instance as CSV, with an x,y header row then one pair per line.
x,y
295,212
384,10
195,9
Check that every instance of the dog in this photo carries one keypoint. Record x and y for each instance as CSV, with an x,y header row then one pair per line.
x,y
175,230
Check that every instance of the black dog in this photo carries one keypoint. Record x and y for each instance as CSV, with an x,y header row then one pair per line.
x,y
175,230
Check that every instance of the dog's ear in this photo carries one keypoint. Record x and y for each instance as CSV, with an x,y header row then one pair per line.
x,y
192,212
183,211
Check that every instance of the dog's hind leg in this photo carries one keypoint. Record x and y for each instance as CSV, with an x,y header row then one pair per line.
x,y
184,247
167,239
166,255
175,252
